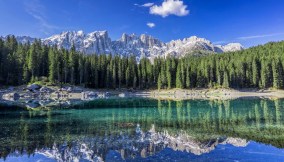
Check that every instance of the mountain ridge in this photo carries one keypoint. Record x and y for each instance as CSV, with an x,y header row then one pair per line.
x,y
99,42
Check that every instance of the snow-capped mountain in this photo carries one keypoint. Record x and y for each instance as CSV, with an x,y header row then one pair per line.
x,y
231,47
141,46
99,42
95,42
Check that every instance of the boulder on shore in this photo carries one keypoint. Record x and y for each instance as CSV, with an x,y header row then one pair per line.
x,y
34,87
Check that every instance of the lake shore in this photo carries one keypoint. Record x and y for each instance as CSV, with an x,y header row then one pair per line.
x,y
222,94
172,94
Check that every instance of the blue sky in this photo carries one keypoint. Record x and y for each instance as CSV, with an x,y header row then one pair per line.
x,y
249,22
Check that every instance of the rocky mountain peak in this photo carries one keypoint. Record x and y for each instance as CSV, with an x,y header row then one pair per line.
x,y
99,34
80,32
196,39
128,38
233,47
99,42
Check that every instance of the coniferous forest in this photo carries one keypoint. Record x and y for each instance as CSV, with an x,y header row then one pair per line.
x,y
256,67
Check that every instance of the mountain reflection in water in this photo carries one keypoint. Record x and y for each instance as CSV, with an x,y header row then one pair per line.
x,y
141,128
129,146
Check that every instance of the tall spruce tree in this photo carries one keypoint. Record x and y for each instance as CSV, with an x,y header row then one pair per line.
x,y
179,77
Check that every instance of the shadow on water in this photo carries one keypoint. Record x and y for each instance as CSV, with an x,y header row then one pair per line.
x,y
139,128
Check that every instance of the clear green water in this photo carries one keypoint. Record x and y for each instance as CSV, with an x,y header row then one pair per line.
x,y
146,130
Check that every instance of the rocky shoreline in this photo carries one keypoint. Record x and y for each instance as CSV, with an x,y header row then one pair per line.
x,y
33,96
218,94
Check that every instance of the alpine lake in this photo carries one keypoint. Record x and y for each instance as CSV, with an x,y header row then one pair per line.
x,y
141,129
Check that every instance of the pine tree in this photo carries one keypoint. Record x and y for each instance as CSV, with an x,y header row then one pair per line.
x,y
52,65
81,69
179,77
66,65
87,72
183,75
73,64
159,82
96,72
120,73
127,77
264,75
277,73
59,62
168,73
226,80
108,77
187,80
114,76
32,61
163,75
255,73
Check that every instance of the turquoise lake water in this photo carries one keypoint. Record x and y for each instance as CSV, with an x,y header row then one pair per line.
x,y
138,129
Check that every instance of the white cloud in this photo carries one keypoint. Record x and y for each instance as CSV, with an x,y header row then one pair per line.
x,y
260,36
35,9
144,5
170,7
147,5
151,25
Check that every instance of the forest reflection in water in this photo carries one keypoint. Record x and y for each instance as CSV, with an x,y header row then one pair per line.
x,y
138,128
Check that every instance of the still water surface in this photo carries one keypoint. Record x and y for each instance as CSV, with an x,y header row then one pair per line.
x,y
136,129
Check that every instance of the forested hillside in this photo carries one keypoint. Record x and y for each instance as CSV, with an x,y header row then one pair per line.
x,y
257,67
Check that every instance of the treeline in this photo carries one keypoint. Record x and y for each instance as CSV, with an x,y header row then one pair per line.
x,y
257,67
